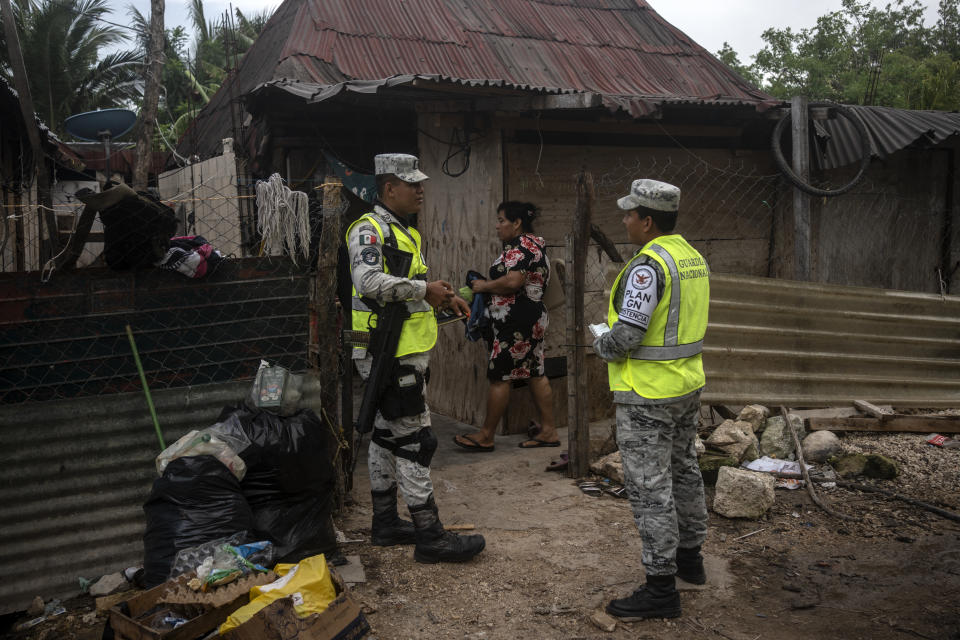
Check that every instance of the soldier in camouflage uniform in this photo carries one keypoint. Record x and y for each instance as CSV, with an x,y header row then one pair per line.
x,y
657,316
403,443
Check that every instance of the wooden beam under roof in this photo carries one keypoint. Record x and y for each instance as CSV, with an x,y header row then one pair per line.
x,y
552,102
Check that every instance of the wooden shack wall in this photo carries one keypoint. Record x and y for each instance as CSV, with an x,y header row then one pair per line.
x,y
735,209
889,231
457,224
206,192
727,214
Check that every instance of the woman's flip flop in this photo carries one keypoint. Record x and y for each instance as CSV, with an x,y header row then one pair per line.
x,y
474,446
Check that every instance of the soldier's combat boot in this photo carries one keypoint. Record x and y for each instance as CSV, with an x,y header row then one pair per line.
x,y
388,527
656,599
435,544
690,566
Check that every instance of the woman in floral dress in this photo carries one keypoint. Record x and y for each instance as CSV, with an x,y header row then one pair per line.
x,y
518,319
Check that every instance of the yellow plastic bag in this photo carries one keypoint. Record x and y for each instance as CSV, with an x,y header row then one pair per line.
x,y
308,583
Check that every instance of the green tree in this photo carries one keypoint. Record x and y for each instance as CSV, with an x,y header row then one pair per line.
x,y
862,54
192,74
729,57
946,33
61,42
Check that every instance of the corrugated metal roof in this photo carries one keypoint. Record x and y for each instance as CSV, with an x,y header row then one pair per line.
x,y
621,49
56,149
889,131
604,46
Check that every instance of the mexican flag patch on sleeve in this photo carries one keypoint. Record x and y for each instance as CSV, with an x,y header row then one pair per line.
x,y
368,238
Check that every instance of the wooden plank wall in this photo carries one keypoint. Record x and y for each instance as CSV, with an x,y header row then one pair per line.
x,y
22,233
457,224
731,230
897,217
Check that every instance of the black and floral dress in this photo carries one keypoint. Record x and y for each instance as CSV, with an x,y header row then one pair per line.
x,y
519,321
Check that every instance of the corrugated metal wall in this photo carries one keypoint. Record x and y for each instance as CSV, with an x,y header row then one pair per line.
x,y
74,475
801,344
76,440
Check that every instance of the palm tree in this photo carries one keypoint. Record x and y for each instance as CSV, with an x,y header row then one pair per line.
x,y
61,42
191,78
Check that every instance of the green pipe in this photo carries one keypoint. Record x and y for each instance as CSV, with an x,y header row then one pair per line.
x,y
146,389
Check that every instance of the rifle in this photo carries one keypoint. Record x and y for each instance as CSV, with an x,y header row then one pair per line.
x,y
384,340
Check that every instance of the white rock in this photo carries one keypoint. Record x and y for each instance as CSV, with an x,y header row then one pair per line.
x,y
110,583
820,445
36,607
736,439
756,415
610,466
776,440
699,446
603,621
743,494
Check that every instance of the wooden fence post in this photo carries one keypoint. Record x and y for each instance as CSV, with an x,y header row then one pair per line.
x,y
48,217
577,401
328,337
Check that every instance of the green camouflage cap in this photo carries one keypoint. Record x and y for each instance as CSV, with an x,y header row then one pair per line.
x,y
403,165
651,194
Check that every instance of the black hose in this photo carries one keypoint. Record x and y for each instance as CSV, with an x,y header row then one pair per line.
x,y
794,179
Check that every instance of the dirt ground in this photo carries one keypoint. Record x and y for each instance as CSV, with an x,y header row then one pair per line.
x,y
555,556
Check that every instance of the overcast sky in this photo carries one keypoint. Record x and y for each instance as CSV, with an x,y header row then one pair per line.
x,y
709,22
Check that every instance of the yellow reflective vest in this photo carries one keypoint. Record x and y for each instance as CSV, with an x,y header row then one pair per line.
x,y
419,332
668,363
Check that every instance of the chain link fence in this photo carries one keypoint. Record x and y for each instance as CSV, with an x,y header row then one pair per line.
x,y
892,230
181,287
67,337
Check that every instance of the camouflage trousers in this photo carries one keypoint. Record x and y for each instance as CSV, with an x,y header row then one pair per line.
x,y
386,468
663,478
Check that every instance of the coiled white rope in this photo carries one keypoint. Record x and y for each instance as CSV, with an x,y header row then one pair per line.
x,y
283,219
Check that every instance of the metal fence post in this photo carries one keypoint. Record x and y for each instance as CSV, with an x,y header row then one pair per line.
x,y
801,201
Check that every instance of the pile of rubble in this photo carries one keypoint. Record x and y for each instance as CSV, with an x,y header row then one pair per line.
x,y
747,456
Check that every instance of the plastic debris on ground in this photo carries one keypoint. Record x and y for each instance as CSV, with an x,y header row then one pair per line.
x,y
767,464
944,442
308,582
228,563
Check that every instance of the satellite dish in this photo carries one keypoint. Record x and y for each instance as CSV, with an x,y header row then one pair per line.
x,y
95,125
101,125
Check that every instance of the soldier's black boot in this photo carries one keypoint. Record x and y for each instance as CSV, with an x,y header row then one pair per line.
x,y
690,566
656,599
388,527
435,544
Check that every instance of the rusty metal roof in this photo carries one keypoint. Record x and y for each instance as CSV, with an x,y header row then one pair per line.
x,y
620,49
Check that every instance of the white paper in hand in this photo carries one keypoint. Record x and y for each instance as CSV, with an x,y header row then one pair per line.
x,y
598,329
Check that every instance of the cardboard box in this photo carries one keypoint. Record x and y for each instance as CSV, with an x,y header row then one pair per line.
x,y
342,620
141,616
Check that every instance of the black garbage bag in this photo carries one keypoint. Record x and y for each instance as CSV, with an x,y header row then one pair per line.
x,y
197,500
290,480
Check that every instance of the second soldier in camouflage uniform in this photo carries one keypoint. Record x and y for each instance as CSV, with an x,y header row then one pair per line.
x,y
657,317
403,443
